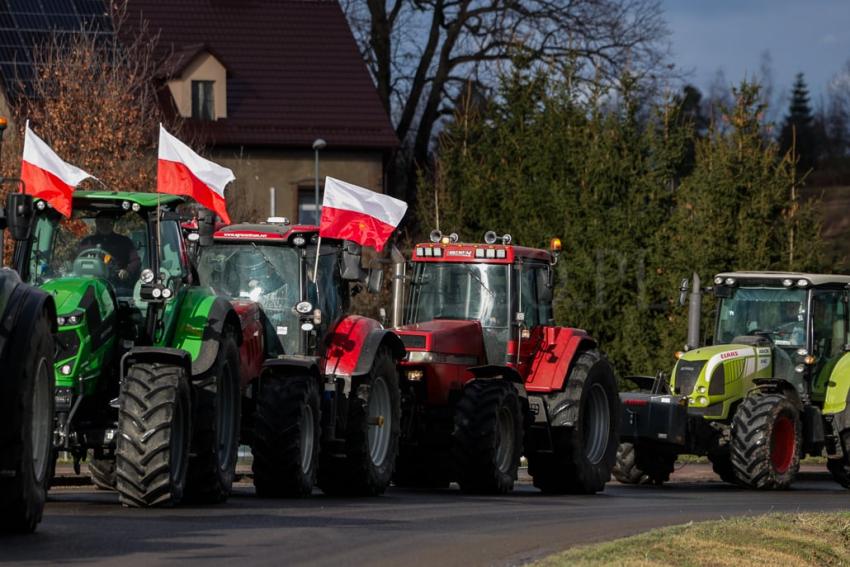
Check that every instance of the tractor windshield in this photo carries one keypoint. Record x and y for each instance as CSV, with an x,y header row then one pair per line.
x,y
269,275
460,291
106,244
779,313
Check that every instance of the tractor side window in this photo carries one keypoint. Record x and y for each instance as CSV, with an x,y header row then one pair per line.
x,y
528,295
173,259
829,324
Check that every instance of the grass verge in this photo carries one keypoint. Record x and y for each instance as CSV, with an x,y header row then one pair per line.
x,y
773,539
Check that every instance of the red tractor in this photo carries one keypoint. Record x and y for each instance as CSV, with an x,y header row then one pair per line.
x,y
489,377
324,408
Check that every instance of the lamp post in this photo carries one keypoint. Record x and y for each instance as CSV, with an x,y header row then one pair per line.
x,y
319,144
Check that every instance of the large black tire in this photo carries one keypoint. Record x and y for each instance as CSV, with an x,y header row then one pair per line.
x,y
638,464
215,427
154,431
584,454
765,446
721,464
487,437
286,436
26,428
371,441
102,473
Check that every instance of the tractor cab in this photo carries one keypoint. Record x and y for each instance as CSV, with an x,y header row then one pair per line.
x,y
272,264
497,292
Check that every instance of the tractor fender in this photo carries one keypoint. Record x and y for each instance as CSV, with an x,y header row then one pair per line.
x,y
553,361
838,392
151,355
496,372
21,305
779,386
200,326
352,345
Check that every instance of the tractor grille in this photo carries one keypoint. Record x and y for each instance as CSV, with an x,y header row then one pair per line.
x,y
67,345
413,341
686,376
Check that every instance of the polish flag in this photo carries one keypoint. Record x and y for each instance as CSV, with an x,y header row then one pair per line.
x,y
180,171
46,176
353,213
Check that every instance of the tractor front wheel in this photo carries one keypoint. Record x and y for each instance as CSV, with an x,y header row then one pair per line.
x,y
371,438
26,428
638,464
287,434
154,430
766,442
102,473
216,422
583,453
488,437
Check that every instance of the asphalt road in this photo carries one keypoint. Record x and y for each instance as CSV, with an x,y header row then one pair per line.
x,y
445,528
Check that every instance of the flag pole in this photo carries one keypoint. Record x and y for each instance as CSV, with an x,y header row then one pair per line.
x,y
316,267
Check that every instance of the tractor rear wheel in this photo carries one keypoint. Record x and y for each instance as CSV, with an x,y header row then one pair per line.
x,y
640,465
286,436
766,442
26,428
154,431
583,454
215,427
102,473
372,432
488,437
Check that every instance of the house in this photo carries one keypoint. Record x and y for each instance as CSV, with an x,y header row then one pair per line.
x,y
257,82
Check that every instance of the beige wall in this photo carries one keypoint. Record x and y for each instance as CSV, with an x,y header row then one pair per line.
x,y
258,170
205,67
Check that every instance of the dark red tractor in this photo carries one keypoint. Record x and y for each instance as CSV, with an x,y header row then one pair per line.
x,y
324,408
489,377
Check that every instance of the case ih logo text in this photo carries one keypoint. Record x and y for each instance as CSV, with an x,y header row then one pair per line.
x,y
729,354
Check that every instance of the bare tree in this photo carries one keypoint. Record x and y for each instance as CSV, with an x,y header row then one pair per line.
x,y
422,53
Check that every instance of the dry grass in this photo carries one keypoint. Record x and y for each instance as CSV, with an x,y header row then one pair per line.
x,y
774,539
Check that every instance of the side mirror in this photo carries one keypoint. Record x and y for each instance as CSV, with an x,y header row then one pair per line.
x,y
683,291
351,270
375,281
206,227
19,211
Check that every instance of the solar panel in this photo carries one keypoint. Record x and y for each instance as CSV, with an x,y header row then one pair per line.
x,y
26,23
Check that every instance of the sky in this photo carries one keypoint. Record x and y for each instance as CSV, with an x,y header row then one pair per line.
x,y
809,36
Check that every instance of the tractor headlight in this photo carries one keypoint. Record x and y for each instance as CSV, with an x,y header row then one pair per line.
x,y
40,205
166,293
730,281
65,370
125,205
156,293
479,252
136,207
787,283
303,307
438,252
415,375
61,321
73,319
802,283
299,241
420,251
307,326
500,253
147,276
491,253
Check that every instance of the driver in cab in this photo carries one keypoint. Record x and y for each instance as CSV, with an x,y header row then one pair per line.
x,y
118,246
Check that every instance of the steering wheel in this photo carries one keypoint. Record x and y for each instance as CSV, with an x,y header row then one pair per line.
x,y
100,255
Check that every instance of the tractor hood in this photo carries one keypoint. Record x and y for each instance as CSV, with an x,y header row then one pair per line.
x,y
447,336
71,294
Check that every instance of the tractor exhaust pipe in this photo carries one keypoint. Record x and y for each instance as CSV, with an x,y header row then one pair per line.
x,y
694,313
399,267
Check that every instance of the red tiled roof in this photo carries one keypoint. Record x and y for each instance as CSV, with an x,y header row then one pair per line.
x,y
294,72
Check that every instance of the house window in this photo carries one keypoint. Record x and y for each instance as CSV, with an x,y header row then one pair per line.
x,y
307,205
202,100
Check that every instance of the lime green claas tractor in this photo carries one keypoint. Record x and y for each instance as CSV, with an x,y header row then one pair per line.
x,y
771,387
147,360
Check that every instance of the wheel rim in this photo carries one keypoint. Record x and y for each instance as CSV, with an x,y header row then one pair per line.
x,y
596,423
41,420
783,442
505,442
380,420
179,442
307,433
224,419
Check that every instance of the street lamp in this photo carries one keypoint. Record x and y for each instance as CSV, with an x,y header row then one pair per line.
x,y
319,144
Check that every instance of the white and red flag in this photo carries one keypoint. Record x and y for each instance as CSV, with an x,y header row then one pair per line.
x,y
353,213
46,175
180,171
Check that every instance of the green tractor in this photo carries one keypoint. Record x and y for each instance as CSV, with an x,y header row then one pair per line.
x,y
771,387
147,360
26,387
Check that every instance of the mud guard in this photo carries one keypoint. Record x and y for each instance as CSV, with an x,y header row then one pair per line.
x,y
491,371
151,355
353,344
20,305
552,363
285,364
219,314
